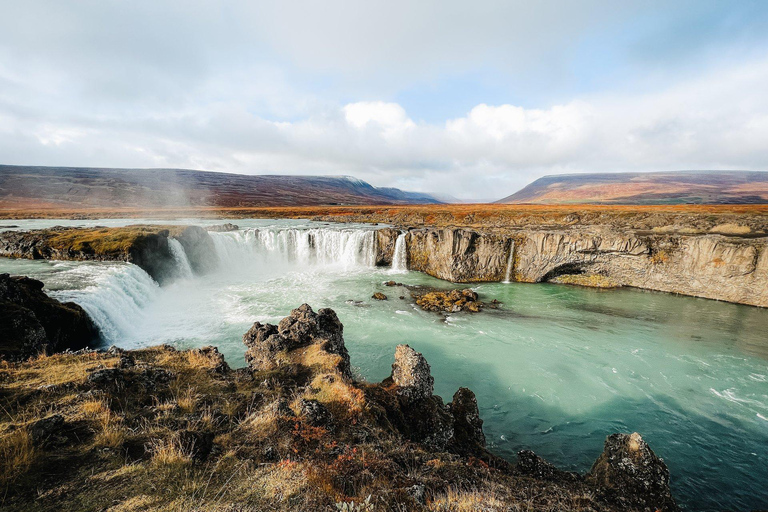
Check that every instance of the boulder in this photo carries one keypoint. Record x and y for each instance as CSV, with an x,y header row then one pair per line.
x,y
629,474
315,413
411,373
46,431
31,322
468,436
301,328
451,301
379,296
530,464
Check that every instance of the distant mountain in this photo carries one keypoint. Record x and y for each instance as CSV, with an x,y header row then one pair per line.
x,y
155,188
678,187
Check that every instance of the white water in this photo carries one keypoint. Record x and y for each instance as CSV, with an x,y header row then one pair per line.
x,y
183,268
400,257
114,295
344,248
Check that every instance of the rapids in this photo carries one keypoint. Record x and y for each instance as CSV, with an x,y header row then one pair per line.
x,y
556,369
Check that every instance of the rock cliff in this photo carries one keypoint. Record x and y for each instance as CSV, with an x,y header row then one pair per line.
x,y
32,323
715,266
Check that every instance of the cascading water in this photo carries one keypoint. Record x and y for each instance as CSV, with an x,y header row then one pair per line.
x,y
510,262
339,247
115,298
183,268
400,257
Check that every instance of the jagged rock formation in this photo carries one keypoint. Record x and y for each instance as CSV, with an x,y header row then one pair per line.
x,y
303,327
631,475
716,266
32,323
294,431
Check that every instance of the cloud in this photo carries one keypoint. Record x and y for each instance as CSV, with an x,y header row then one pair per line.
x,y
308,87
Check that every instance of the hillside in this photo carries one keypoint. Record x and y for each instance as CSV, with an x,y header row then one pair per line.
x,y
680,187
23,187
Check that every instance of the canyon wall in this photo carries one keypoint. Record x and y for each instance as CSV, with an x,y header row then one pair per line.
x,y
728,268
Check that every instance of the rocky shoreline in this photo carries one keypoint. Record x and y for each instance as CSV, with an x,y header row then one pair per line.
x,y
295,430
715,265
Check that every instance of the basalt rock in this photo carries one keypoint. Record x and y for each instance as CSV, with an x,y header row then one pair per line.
x,y
145,246
468,436
303,327
717,264
630,474
33,323
411,373
451,301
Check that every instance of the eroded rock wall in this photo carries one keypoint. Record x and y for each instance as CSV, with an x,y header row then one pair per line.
x,y
458,255
728,268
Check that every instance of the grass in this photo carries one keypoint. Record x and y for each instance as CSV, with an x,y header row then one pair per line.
x,y
137,446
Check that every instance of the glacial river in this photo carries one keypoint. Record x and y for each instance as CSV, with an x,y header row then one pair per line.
x,y
555,370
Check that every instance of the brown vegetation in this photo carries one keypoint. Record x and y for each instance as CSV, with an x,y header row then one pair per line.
x,y
161,429
467,215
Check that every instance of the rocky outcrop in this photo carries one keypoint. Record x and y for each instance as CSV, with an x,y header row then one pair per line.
x,y
33,323
631,475
715,266
294,431
302,328
458,255
710,266
411,374
449,301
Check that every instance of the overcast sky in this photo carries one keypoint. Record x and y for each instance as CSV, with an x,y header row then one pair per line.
x,y
474,99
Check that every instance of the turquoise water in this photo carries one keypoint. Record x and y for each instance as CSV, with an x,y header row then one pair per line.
x,y
556,369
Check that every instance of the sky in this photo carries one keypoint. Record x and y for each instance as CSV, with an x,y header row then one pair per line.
x,y
471,99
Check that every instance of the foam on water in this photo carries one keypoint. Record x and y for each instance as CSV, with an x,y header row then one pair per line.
x,y
400,256
183,268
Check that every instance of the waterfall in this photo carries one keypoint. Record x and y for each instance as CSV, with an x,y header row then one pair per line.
x,y
340,247
510,262
115,299
183,267
400,256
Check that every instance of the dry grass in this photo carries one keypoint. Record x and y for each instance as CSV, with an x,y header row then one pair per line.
x,y
17,453
138,446
466,501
